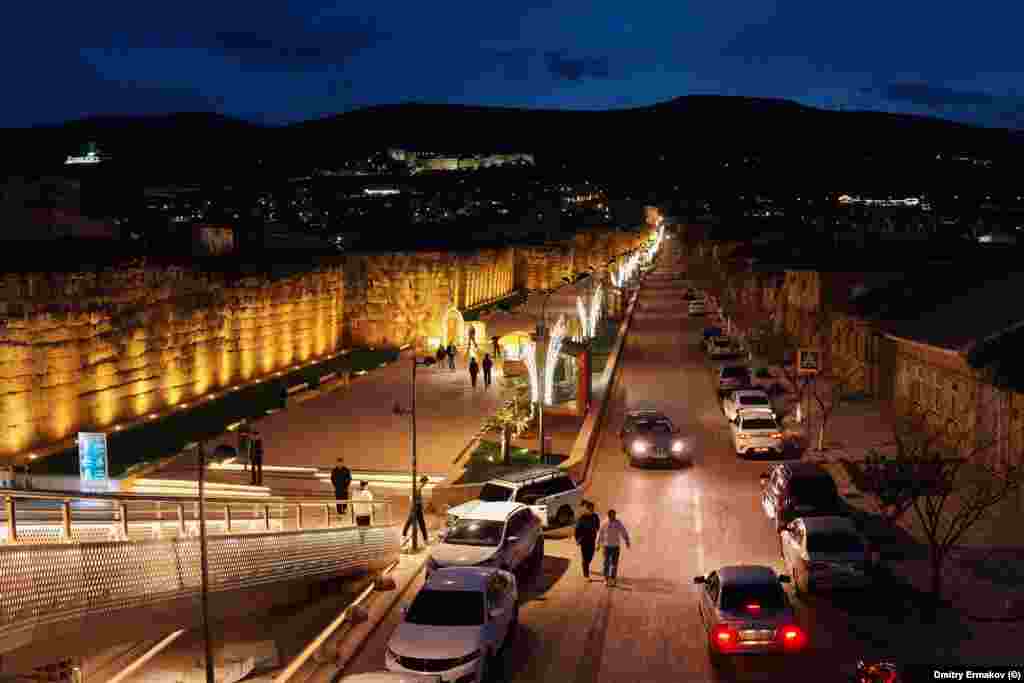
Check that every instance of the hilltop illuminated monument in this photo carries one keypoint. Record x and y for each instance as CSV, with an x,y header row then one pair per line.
x,y
91,155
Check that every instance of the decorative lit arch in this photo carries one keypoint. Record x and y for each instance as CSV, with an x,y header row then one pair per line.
x,y
453,327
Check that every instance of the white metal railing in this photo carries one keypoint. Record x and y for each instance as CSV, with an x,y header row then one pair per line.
x,y
33,517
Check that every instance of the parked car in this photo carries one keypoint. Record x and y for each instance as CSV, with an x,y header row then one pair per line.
x,y
698,307
390,677
723,347
792,490
733,377
745,611
457,625
549,491
745,399
825,552
649,438
757,432
504,535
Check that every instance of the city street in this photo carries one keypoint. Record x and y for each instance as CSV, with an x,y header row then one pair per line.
x,y
683,523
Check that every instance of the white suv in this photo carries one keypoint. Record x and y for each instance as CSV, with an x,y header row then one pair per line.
x,y
756,431
457,625
503,535
549,491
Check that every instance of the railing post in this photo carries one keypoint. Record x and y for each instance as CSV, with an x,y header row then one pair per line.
x,y
65,518
12,520
327,516
124,521
266,516
227,517
298,517
181,519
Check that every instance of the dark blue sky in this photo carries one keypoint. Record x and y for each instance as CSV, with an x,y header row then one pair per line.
x,y
284,61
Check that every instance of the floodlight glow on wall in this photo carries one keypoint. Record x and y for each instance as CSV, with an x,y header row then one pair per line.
x,y
595,310
581,310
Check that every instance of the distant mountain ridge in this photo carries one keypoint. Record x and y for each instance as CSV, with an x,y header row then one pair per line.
x,y
699,125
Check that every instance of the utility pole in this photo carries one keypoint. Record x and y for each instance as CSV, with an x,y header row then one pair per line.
x,y
204,565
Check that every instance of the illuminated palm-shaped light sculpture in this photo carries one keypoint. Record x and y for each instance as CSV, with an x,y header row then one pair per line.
x,y
542,379
596,302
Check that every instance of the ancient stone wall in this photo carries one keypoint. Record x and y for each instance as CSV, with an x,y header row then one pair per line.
x,y
88,350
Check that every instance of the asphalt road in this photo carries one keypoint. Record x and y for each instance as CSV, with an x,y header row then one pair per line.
x,y
683,523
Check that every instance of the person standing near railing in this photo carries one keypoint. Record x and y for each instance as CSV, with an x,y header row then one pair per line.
x,y
363,508
416,513
257,459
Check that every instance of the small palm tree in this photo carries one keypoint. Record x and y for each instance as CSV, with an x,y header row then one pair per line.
x,y
515,416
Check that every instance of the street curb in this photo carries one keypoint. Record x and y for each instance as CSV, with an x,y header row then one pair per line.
x,y
582,452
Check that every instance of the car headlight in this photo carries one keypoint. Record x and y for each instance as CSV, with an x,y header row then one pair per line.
x,y
639,447
677,447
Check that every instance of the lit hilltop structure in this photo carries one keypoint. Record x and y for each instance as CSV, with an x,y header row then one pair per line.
x,y
91,154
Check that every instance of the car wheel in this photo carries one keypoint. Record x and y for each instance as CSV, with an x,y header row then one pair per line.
x,y
564,516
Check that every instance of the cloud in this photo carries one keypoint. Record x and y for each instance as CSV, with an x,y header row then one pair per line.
x,y
977,105
290,47
575,69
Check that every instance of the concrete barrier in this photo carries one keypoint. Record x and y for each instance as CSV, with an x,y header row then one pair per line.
x,y
578,463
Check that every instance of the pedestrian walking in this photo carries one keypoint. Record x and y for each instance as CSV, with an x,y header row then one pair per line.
x,y
610,538
451,356
441,353
474,368
472,339
257,459
587,527
487,365
364,508
416,512
496,347
341,477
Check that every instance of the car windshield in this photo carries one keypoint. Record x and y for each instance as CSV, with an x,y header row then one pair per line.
x,y
446,608
759,423
753,401
818,491
475,532
493,493
765,595
735,372
655,427
834,542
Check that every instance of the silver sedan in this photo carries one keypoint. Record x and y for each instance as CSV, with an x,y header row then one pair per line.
x,y
745,611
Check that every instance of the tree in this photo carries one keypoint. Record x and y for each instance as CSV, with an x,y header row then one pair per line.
x,y
830,387
943,473
775,346
515,416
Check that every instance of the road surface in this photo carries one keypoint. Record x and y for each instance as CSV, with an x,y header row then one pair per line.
x,y
683,523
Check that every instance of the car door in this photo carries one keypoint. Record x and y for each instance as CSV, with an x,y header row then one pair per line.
x,y
497,626
516,538
709,601
532,495
558,490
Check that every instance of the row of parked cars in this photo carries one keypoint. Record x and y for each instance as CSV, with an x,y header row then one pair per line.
x,y
461,621
744,608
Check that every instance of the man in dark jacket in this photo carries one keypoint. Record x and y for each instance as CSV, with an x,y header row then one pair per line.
x,y
451,356
341,477
487,365
474,368
416,512
257,459
587,527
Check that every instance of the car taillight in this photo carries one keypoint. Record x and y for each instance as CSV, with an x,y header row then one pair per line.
x,y
792,637
753,607
724,638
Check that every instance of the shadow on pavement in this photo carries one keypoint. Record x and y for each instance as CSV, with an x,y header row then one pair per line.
x,y
551,570
517,656
652,585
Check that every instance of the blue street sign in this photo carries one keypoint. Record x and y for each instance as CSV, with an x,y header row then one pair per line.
x,y
92,456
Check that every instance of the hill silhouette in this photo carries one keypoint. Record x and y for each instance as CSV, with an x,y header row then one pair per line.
x,y
686,128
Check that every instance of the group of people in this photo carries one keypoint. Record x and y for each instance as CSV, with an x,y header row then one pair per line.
x,y
487,364
362,501
591,535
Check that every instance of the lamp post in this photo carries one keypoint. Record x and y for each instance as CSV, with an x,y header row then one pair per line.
x,y
542,335
204,569
398,410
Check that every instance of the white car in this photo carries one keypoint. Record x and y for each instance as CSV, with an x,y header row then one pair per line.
x,y
548,491
745,399
698,308
503,535
457,625
825,552
390,677
756,431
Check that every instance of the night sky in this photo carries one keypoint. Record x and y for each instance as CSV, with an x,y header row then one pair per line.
x,y
284,61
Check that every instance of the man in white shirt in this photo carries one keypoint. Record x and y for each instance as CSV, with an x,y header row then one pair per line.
x,y
610,537
363,510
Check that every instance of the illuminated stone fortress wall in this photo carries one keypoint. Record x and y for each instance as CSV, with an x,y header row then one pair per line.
x,y
90,350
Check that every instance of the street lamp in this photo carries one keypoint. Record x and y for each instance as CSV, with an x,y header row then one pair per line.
x,y
204,569
398,410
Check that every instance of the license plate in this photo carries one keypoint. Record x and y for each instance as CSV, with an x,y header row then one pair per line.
x,y
757,635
